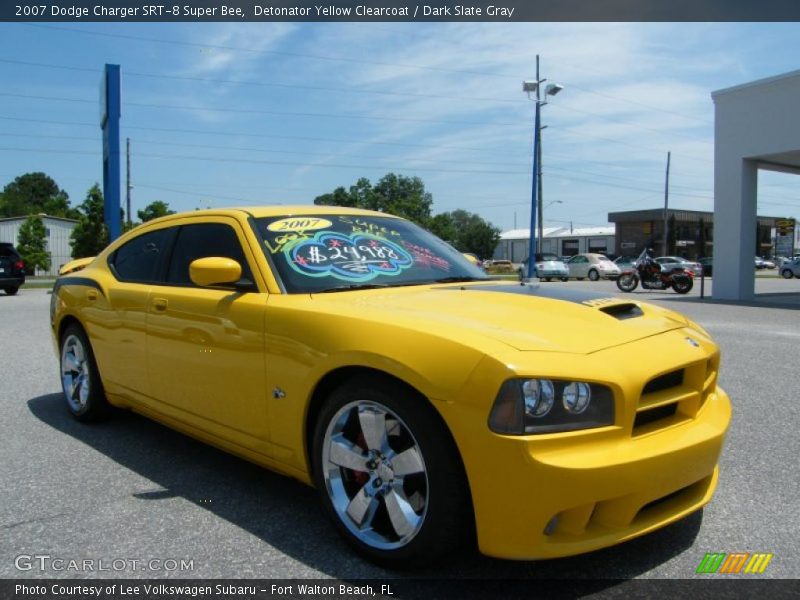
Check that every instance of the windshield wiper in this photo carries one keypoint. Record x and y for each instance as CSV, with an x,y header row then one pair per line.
x,y
457,279
352,286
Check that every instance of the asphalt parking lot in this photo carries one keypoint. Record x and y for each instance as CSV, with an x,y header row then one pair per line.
x,y
134,490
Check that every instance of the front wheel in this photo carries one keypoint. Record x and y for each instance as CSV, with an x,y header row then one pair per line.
x,y
80,378
388,475
11,291
594,275
787,274
627,282
682,284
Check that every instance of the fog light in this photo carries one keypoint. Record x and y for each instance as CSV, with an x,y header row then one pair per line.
x,y
576,397
539,397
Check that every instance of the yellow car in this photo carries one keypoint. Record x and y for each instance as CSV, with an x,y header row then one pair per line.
x,y
430,405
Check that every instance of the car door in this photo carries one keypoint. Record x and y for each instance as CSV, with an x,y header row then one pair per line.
x,y
578,266
205,356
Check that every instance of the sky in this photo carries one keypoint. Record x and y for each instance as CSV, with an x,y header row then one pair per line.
x,y
237,114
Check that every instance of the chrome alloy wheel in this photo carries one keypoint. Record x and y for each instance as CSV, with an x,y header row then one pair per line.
x,y
375,475
75,373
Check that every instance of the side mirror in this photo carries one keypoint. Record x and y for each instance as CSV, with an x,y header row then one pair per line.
x,y
214,270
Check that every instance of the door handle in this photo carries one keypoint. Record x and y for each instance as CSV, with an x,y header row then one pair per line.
x,y
160,304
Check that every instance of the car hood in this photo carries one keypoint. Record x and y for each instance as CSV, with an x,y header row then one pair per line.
x,y
523,316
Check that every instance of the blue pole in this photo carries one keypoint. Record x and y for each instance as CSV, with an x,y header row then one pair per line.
x,y
534,190
111,154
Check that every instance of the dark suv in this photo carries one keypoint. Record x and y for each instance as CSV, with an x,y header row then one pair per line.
x,y
12,269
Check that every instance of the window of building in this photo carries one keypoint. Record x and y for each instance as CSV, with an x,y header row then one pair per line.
x,y
598,245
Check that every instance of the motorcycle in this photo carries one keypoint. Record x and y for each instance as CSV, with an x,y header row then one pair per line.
x,y
649,273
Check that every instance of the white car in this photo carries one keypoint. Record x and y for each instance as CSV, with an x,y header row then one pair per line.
x,y
593,266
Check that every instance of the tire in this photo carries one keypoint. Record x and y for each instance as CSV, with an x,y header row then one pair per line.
x,y
548,279
627,282
80,379
11,291
594,275
411,522
787,274
682,284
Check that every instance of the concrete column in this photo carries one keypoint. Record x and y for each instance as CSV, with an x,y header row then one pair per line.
x,y
735,199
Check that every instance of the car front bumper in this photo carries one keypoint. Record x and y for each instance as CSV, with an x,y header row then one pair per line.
x,y
547,496
556,273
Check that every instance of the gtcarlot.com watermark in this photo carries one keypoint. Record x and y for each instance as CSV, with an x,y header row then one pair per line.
x,y
45,563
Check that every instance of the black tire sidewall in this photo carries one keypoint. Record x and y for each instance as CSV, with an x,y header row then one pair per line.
x,y
448,519
96,405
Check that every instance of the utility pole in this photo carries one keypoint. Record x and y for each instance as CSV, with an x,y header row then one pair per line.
x,y
540,216
128,181
666,207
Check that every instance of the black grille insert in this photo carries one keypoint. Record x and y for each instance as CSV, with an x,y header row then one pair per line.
x,y
655,414
664,382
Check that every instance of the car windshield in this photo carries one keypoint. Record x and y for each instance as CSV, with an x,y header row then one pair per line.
x,y
328,253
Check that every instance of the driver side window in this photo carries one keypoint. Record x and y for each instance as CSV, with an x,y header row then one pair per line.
x,y
200,241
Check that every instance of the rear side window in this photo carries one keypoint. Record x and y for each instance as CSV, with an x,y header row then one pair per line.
x,y
200,241
7,251
138,261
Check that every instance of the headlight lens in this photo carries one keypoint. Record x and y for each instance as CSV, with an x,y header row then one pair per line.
x,y
576,397
530,406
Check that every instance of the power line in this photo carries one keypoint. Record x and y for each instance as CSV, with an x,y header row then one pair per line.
x,y
258,111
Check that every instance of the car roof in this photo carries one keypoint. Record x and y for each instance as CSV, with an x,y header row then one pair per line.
x,y
276,210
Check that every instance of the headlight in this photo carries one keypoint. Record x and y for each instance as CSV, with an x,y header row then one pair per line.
x,y
529,406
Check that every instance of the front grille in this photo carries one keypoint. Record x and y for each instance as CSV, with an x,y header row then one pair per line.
x,y
675,396
664,382
654,414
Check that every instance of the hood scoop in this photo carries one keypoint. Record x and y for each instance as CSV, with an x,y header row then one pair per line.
x,y
627,310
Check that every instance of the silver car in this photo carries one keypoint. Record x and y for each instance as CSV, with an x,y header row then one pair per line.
x,y
674,262
593,266
790,269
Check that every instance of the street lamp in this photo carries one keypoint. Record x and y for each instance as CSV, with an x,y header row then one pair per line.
x,y
552,89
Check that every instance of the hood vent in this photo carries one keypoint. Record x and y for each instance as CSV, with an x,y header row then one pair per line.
x,y
623,311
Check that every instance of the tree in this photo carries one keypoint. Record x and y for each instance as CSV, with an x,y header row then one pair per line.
x,y
32,246
472,233
154,210
90,235
394,194
34,193
442,226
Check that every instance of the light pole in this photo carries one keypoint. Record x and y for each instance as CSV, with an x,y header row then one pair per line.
x,y
551,90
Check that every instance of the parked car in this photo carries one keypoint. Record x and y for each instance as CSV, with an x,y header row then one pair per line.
x,y
708,265
500,267
625,262
12,269
673,262
429,404
547,267
790,269
593,266
763,263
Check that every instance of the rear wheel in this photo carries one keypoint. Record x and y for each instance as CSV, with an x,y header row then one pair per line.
x,y
388,476
80,378
12,290
594,275
627,282
787,274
